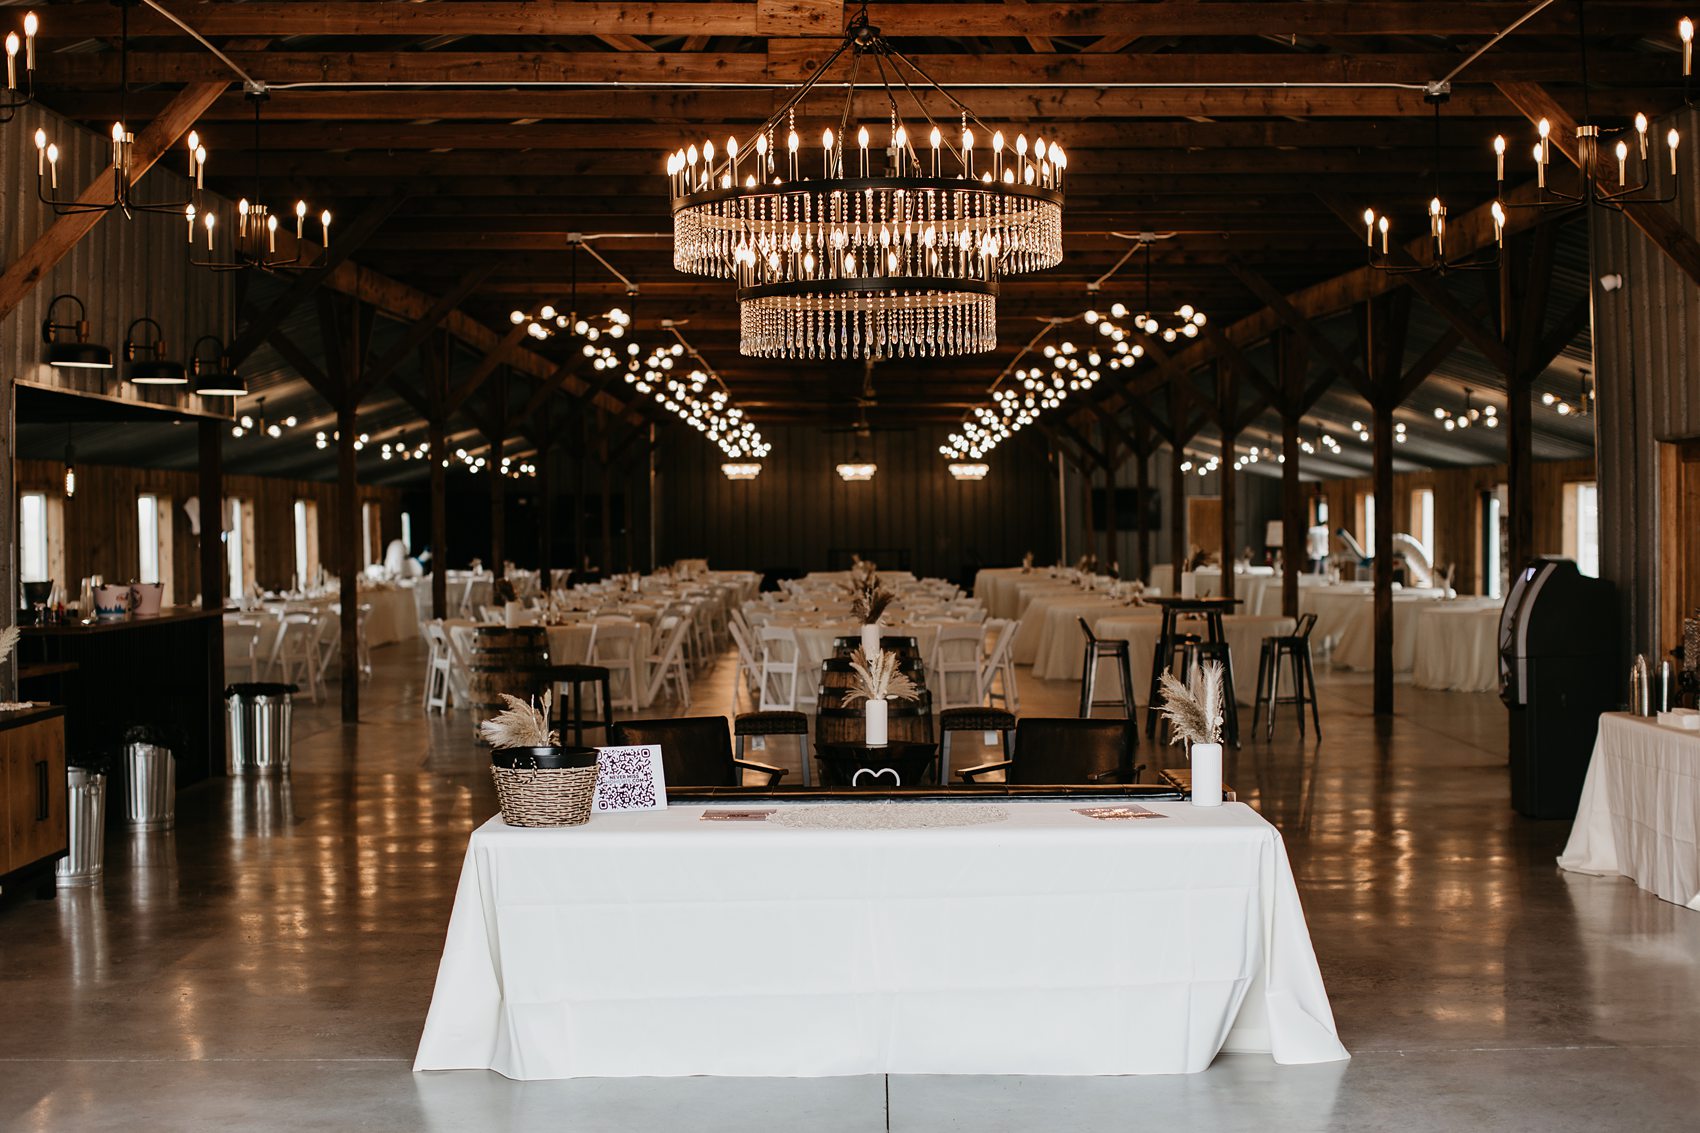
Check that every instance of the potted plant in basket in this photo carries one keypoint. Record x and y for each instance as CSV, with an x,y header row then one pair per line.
x,y
1194,714
878,682
538,782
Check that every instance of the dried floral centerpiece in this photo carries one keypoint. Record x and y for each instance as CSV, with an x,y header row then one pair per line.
x,y
868,604
538,782
1027,563
8,643
879,680
1194,713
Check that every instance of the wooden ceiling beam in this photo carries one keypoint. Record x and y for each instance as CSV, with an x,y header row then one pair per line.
x,y
641,64
795,18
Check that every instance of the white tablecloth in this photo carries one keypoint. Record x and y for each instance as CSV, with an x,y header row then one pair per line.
x,y
394,616
1457,646
1139,628
815,643
1345,616
1040,639
656,943
1640,809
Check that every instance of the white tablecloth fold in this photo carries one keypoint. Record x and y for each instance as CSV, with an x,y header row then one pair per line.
x,y
661,944
1640,810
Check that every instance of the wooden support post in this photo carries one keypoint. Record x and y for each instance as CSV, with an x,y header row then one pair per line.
x,y
1112,552
348,556
211,490
1227,409
1291,359
1177,514
439,519
1088,522
545,511
1142,491
1383,342
498,509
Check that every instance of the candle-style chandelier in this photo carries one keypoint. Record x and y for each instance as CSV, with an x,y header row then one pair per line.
x,y
1624,157
18,95
1377,227
888,253
1119,323
125,175
254,240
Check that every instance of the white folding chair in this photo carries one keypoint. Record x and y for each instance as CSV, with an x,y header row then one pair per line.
x,y
667,663
999,667
957,665
241,639
746,666
296,659
779,653
615,648
439,669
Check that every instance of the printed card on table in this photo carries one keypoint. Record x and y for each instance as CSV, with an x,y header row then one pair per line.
x,y
629,778
1118,813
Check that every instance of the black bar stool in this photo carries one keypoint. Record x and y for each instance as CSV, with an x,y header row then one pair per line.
x,y
1197,652
775,723
1295,648
974,719
1171,641
573,678
1098,649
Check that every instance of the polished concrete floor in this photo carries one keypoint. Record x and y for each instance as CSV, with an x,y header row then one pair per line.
x,y
267,965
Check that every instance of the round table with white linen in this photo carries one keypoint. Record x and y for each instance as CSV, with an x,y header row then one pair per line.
x,y
1032,642
393,615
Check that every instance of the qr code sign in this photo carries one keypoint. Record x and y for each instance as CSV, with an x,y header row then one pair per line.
x,y
629,778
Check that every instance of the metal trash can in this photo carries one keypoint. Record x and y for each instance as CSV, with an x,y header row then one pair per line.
x,y
257,728
85,789
150,784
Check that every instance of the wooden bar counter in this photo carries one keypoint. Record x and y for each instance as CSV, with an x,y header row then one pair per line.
x,y
166,671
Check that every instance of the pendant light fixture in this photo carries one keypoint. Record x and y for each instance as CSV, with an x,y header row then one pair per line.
x,y
858,253
741,470
1379,242
125,175
214,376
1487,415
1604,155
75,352
1583,406
969,471
148,365
18,94
856,470
254,227
548,322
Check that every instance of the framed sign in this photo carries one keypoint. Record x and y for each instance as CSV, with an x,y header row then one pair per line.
x,y
629,778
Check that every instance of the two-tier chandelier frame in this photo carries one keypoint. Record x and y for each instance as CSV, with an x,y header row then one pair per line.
x,y
899,261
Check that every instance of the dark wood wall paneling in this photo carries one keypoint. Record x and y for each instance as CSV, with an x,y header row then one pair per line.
x,y
798,514
100,530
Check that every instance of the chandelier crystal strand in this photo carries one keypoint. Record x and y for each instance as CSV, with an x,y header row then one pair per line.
x,y
871,258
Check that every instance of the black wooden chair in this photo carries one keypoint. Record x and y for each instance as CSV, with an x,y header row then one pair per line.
x,y
696,751
972,720
1063,750
774,723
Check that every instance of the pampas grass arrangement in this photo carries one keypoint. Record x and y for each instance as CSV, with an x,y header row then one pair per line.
x,y
520,725
880,678
1194,714
868,606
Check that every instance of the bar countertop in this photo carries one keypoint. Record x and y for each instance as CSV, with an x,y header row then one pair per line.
x,y
174,616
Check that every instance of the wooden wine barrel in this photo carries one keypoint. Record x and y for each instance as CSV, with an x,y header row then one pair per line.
x,y
836,675
514,660
838,723
905,647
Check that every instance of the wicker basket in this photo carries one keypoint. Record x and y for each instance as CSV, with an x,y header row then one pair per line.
x,y
544,786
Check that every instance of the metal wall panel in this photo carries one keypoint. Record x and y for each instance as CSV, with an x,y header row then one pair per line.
x,y
1647,359
122,270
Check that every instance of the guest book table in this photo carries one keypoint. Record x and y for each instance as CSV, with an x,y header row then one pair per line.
x,y
1040,942
1640,809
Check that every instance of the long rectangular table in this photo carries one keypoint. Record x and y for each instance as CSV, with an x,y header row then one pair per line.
x,y
1639,815
1045,943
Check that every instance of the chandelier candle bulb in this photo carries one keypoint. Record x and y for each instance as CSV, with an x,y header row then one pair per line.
x,y
200,166
31,25
1540,167
189,215
12,60
53,165
1499,155
242,218
1544,128
1684,29
1641,134
1672,139
300,217
209,225
271,233
1622,163
325,228
1384,226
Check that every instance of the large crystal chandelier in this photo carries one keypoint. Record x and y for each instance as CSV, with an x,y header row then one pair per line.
x,y
894,252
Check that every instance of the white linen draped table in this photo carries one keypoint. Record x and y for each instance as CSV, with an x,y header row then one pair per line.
x,y
1345,619
1457,646
1640,810
1140,627
658,944
1061,648
999,588
1036,605
393,616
